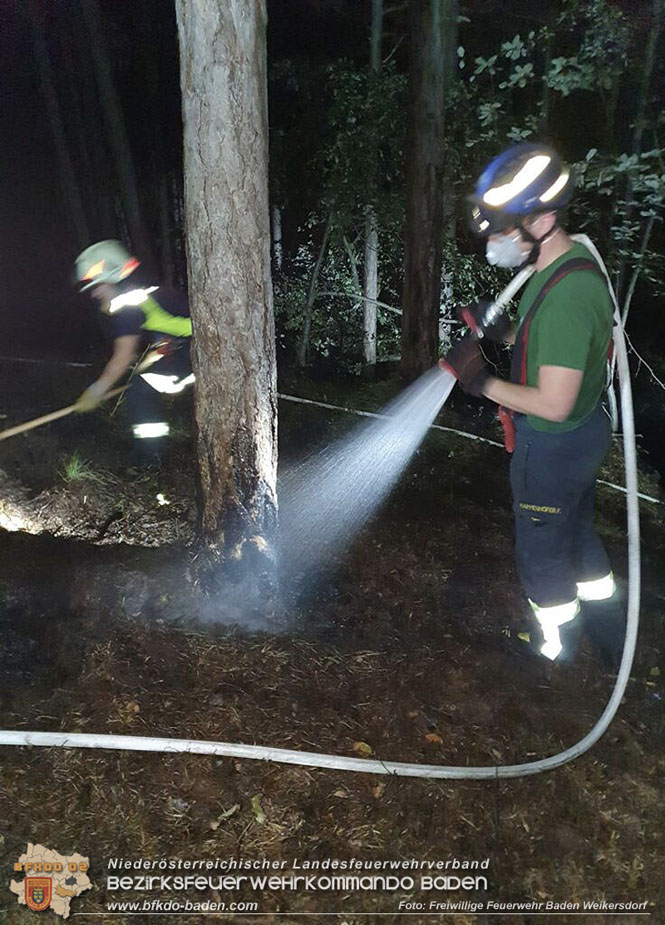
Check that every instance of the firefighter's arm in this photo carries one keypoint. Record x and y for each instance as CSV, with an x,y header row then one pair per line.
x,y
125,349
553,398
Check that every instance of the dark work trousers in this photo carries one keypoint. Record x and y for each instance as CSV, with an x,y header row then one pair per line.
x,y
146,405
552,476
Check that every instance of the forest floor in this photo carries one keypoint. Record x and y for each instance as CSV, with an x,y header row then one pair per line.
x,y
407,652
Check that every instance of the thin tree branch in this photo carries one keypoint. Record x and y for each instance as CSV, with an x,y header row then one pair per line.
x,y
643,362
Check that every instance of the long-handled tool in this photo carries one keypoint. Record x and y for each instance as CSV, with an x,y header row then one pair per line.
x,y
151,357
52,416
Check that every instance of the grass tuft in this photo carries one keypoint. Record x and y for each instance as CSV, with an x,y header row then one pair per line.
x,y
77,469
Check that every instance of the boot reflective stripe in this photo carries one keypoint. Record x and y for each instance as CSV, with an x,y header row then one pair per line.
x,y
601,589
151,430
133,299
169,385
550,619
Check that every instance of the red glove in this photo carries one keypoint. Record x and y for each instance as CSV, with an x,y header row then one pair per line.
x,y
474,315
466,362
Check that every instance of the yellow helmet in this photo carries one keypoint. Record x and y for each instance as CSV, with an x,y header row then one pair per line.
x,y
104,262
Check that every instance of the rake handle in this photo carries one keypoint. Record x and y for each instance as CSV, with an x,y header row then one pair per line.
x,y
53,416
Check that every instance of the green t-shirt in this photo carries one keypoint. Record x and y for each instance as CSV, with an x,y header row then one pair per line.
x,y
571,328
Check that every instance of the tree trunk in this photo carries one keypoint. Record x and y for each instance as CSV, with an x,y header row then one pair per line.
x,y
303,347
370,275
70,188
450,197
424,195
277,253
225,114
370,291
117,134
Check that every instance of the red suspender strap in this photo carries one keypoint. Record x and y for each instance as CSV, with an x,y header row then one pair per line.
x,y
518,368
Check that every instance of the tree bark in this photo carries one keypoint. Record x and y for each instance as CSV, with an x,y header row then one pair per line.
x,y
370,274
225,115
428,20
370,291
117,134
70,187
277,252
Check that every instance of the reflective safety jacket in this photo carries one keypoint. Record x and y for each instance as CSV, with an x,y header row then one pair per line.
x,y
155,311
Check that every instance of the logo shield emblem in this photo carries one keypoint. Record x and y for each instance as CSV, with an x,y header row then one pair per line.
x,y
38,893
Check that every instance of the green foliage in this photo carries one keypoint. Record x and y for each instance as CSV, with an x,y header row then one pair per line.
x,y
336,332
534,84
363,162
598,57
603,203
514,94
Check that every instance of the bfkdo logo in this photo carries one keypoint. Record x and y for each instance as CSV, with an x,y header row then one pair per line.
x,y
51,879
38,893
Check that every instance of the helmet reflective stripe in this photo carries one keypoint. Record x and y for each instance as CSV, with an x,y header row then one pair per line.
x,y
169,385
550,619
500,195
556,187
601,589
95,270
525,179
151,430
132,299
104,262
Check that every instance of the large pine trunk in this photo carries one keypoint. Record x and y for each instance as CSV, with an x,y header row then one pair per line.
x,y
224,88
424,199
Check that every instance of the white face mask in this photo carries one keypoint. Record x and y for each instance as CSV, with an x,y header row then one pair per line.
x,y
503,250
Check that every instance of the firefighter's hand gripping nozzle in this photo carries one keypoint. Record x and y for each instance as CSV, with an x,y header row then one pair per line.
x,y
467,364
465,360
486,319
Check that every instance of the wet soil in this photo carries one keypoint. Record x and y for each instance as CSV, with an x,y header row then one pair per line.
x,y
408,650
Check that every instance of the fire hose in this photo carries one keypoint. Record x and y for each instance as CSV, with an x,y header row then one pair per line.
x,y
407,769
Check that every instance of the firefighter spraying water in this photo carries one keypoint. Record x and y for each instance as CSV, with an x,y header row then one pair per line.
x,y
552,406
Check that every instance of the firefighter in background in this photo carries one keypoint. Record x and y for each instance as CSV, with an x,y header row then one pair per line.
x,y
137,314
557,380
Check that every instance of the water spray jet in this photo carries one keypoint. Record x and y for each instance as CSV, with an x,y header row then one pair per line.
x,y
327,499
